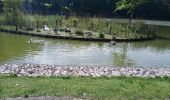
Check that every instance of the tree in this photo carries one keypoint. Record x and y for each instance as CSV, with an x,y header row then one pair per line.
x,y
1,6
66,11
13,10
130,6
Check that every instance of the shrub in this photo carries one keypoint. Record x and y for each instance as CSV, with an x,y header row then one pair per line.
x,y
101,35
61,30
38,31
75,23
80,32
29,29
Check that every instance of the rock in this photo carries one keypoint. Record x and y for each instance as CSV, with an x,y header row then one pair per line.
x,y
94,71
152,73
30,71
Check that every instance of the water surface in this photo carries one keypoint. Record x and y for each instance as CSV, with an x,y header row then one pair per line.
x,y
17,49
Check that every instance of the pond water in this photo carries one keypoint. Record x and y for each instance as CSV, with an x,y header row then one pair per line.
x,y
17,49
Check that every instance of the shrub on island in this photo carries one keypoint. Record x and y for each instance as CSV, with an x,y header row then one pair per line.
x,y
101,35
79,32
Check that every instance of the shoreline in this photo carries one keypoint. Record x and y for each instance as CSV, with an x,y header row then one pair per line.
x,y
77,38
35,70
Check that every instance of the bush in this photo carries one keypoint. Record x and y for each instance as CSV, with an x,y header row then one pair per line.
x,y
61,30
75,23
38,31
80,32
101,35
29,29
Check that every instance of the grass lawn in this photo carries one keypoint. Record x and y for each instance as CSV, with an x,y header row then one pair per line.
x,y
95,88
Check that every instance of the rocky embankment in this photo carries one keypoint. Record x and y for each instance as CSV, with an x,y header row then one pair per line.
x,y
85,70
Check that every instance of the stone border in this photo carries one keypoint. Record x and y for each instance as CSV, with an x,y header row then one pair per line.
x,y
78,70
75,38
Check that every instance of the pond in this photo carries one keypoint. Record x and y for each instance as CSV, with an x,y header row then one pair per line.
x,y
17,49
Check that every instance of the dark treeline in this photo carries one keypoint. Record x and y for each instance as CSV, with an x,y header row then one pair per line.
x,y
1,6
155,9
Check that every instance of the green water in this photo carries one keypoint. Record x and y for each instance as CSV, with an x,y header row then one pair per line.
x,y
17,49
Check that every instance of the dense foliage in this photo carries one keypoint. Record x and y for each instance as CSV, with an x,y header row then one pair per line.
x,y
13,12
154,9
130,6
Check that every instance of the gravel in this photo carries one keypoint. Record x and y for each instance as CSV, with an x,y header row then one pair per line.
x,y
84,70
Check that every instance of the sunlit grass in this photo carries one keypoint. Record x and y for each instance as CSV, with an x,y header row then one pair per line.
x,y
95,88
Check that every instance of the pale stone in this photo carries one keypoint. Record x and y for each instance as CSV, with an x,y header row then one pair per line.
x,y
94,71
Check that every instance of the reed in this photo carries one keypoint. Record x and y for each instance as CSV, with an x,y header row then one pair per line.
x,y
99,25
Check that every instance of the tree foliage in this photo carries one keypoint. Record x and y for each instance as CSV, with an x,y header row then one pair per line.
x,y
129,5
13,11
152,9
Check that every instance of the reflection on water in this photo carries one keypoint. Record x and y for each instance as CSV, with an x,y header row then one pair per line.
x,y
120,56
16,49
151,53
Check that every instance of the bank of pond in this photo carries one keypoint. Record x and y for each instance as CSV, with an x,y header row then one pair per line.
x,y
46,35
35,70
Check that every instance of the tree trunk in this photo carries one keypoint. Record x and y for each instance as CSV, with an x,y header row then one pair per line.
x,y
110,31
16,23
130,19
16,28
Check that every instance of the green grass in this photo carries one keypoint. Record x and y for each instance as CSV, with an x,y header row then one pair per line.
x,y
95,88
